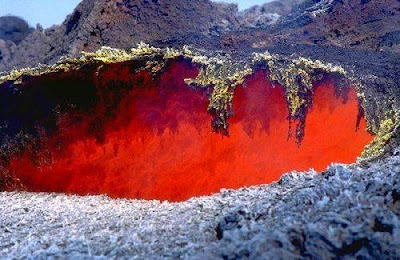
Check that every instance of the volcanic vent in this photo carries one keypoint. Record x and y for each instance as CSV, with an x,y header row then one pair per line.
x,y
168,124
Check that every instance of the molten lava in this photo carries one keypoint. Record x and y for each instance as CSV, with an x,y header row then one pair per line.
x,y
152,139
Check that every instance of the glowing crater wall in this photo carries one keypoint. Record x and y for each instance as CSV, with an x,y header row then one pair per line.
x,y
152,139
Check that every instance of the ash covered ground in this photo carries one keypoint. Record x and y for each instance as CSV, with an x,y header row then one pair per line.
x,y
348,211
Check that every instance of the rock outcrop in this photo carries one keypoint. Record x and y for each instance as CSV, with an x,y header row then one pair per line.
x,y
14,29
7,48
263,16
122,24
205,24
363,25
350,24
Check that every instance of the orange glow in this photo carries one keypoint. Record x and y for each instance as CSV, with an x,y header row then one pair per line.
x,y
157,141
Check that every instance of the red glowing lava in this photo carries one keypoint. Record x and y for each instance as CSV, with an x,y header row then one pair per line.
x,y
157,141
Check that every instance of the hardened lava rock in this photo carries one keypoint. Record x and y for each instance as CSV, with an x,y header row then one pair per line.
x,y
345,212
348,211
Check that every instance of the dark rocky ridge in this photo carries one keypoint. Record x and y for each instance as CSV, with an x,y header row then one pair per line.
x,y
265,15
349,23
121,24
14,29
352,24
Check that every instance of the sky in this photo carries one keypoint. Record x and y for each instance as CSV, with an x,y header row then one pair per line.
x,y
50,12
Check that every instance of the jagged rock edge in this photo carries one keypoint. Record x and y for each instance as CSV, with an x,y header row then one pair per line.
x,y
222,74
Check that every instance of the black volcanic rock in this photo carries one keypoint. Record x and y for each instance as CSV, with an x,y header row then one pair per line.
x,y
122,24
373,25
349,23
6,50
354,24
13,29
265,15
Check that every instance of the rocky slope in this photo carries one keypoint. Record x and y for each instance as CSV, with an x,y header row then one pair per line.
x,y
349,23
267,14
355,24
14,29
121,24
